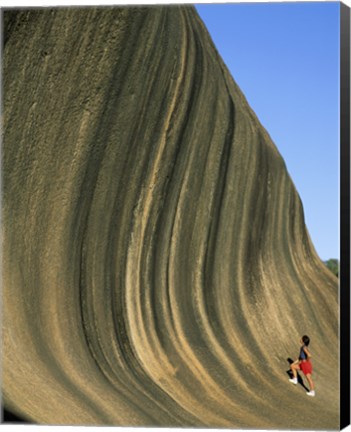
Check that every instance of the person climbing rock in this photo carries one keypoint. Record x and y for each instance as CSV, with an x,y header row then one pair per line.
x,y
303,363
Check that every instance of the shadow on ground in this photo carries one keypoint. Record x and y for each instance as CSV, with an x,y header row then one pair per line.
x,y
11,418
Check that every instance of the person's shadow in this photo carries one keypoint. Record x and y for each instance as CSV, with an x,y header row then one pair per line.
x,y
299,379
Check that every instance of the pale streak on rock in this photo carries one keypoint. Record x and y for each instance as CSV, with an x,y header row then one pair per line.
x,y
157,269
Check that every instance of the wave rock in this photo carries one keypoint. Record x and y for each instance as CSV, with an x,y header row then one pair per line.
x,y
157,270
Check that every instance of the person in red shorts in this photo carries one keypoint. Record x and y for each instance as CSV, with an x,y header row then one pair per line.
x,y
303,363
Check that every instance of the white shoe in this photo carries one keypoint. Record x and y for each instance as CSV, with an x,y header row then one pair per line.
x,y
294,380
311,393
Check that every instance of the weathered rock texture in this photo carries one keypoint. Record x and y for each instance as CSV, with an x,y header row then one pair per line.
x,y
156,269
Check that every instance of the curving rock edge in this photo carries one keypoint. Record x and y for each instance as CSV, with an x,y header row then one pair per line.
x,y
157,270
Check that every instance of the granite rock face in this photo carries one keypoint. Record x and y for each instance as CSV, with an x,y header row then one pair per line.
x,y
157,270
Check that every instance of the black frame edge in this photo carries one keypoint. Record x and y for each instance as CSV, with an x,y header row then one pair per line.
x,y
344,216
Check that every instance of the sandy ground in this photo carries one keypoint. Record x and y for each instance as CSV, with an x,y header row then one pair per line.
x,y
157,270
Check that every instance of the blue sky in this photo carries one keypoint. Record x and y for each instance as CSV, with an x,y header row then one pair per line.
x,y
285,59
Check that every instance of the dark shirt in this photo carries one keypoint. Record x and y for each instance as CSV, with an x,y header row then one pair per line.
x,y
302,355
